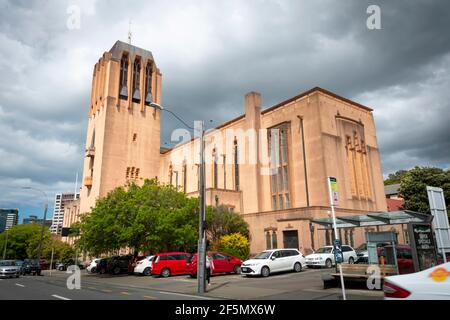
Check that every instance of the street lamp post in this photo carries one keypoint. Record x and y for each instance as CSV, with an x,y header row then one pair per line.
x,y
201,266
6,244
43,221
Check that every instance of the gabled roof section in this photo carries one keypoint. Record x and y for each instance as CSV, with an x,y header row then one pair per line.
x,y
313,90
119,47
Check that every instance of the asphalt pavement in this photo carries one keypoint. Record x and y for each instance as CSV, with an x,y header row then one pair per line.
x,y
306,285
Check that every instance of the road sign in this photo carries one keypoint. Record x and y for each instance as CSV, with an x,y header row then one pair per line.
x,y
440,219
334,191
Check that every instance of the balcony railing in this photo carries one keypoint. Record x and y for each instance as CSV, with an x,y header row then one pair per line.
x,y
88,182
90,152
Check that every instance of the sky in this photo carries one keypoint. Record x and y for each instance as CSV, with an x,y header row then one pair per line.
x,y
211,53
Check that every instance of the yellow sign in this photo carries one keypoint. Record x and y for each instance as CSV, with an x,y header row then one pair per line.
x,y
333,183
440,274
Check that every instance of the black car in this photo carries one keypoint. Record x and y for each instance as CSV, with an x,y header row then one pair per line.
x,y
31,266
115,264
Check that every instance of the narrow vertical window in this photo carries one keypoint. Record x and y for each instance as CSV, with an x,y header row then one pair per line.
x,y
184,176
279,165
236,165
171,175
215,173
148,83
224,172
123,87
274,240
137,80
268,241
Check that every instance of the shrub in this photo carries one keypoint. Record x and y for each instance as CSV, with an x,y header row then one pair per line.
x,y
236,245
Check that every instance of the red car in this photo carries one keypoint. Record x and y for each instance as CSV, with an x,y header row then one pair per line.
x,y
223,263
170,264
404,258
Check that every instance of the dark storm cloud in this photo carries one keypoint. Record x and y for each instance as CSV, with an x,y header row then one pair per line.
x,y
211,53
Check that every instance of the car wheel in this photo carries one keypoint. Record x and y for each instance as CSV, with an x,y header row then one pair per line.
x,y
193,276
237,269
328,263
116,270
93,270
297,267
147,271
165,272
351,260
265,272
102,271
18,275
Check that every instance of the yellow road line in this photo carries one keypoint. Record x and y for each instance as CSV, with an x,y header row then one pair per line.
x,y
150,297
125,293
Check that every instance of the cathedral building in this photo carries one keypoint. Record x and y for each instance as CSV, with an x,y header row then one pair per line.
x,y
269,164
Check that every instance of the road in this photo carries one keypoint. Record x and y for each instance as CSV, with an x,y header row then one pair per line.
x,y
306,285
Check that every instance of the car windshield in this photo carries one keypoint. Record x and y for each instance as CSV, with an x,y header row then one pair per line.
x,y
324,250
263,255
5,263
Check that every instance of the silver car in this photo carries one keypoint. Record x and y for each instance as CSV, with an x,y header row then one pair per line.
x,y
8,269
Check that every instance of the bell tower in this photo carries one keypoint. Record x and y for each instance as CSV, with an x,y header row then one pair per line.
x,y
123,133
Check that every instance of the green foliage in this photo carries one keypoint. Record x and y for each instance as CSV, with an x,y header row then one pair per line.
x,y
222,222
414,183
394,178
23,242
236,245
151,218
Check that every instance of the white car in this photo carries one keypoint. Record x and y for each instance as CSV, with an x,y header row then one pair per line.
x,y
429,284
271,261
144,266
324,257
92,267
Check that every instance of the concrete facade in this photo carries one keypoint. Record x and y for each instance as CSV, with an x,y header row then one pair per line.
x,y
270,165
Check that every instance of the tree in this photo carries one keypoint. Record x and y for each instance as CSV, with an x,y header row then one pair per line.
x,y
23,241
394,178
151,217
221,221
413,187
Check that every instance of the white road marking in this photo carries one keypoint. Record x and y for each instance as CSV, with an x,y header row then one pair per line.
x,y
20,285
59,297
185,295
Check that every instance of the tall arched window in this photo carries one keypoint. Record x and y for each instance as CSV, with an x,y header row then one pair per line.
x,y
215,173
123,85
148,83
236,165
137,80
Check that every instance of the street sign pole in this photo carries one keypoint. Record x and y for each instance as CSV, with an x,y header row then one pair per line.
x,y
332,188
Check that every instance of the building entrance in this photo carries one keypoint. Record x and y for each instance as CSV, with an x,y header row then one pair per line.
x,y
290,239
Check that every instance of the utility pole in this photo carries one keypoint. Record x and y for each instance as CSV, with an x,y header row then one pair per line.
x,y
202,216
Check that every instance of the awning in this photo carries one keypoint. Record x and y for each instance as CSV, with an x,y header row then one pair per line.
x,y
376,219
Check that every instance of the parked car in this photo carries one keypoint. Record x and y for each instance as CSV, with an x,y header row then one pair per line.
x,y
9,269
31,266
223,263
429,284
144,266
271,261
19,263
102,266
324,257
405,260
92,267
63,266
119,264
170,263
363,254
